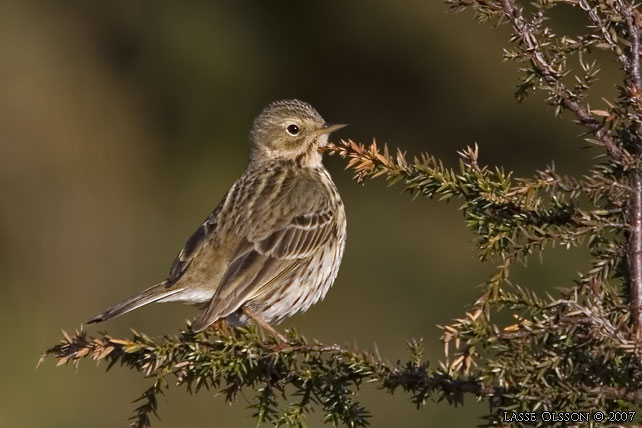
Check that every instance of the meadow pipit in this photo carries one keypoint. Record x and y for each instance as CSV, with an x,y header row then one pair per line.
x,y
273,245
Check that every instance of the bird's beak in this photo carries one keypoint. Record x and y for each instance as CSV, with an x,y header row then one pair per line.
x,y
329,127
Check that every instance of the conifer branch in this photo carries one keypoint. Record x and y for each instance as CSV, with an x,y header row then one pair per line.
x,y
635,252
633,92
321,375
510,217
552,76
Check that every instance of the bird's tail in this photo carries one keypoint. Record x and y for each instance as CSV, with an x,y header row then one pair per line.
x,y
152,294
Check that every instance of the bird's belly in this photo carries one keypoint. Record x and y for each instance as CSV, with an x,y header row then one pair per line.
x,y
304,288
190,296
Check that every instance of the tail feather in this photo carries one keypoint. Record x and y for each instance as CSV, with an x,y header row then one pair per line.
x,y
150,295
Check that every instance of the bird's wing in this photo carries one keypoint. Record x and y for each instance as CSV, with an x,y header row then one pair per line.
x,y
189,251
264,257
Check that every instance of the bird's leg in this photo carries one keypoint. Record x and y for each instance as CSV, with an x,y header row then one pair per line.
x,y
260,321
220,326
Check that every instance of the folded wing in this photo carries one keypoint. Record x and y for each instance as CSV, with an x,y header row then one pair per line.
x,y
264,260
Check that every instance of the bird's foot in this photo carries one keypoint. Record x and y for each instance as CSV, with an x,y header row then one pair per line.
x,y
264,324
220,327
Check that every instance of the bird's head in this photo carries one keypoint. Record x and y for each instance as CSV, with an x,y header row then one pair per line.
x,y
291,130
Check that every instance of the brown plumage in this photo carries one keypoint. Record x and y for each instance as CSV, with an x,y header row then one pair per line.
x,y
273,245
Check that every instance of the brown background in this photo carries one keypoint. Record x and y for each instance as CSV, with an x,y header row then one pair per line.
x,y
123,123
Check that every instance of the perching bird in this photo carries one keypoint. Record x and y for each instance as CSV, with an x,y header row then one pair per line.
x,y
273,245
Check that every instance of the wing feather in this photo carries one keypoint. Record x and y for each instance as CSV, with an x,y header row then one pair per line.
x,y
280,218
194,243
259,265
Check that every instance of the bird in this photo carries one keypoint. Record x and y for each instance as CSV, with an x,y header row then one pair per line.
x,y
273,245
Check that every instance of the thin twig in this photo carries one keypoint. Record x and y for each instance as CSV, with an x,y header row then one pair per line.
x,y
634,37
584,117
601,24
635,252
635,205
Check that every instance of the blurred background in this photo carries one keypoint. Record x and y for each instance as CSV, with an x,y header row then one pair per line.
x,y
123,123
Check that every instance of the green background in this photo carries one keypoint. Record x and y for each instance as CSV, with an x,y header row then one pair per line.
x,y
123,123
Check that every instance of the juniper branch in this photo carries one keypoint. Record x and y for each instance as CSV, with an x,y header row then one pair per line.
x,y
312,374
635,207
553,77
511,218
327,375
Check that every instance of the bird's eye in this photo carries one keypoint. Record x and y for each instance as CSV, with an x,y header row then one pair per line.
x,y
293,130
